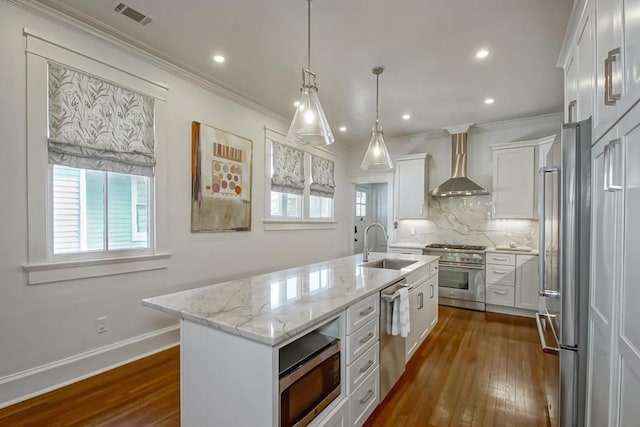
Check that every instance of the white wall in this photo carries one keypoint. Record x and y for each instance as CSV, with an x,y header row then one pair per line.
x,y
461,220
44,324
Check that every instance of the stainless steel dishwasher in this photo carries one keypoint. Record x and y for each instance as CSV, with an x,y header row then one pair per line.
x,y
392,347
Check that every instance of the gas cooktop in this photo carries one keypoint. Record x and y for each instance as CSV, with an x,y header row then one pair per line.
x,y
456,247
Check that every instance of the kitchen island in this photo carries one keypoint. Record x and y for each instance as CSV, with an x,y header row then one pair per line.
x,y
232,332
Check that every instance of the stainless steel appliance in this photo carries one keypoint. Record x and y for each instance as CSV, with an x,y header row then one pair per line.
x,y
461,274
564,217
392,347
309,378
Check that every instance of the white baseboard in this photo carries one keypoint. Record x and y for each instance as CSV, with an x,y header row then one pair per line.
x,y
513,311
24,385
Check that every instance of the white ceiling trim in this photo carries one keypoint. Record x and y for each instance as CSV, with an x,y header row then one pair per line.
x,y
57,12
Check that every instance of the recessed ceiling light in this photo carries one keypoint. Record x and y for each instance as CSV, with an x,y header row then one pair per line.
x,y
296,104
406,117
219,59
489,101
343,128
482,53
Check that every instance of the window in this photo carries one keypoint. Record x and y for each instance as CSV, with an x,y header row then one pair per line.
x,y
361,203
102,156
90,164
79,206
301,185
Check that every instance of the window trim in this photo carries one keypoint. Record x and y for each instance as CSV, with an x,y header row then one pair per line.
x,y
306,222
41,266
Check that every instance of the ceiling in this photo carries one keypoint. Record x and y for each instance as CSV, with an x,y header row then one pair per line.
x,y
426,46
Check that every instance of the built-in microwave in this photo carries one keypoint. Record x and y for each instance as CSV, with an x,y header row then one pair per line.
x,y
309,378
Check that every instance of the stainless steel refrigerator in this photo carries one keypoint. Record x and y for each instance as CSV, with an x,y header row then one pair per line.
x,y
564,221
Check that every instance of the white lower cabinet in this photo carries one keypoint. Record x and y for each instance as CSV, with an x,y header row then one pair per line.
x,y
512,280
423,313
364,399
358,370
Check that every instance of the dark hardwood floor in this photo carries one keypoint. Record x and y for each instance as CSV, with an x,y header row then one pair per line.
x,y
475,369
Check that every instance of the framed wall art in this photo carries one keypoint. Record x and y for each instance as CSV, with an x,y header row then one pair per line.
x,y
221,166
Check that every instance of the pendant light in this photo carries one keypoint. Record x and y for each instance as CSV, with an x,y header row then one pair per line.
x,y
309,125
377,156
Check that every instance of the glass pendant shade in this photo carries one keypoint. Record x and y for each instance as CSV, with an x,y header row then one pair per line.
x,y
377,156
309,125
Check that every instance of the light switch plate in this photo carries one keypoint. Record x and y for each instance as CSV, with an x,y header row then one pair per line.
x,y
412,231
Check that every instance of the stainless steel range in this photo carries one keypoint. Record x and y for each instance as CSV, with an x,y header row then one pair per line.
x,y
461,274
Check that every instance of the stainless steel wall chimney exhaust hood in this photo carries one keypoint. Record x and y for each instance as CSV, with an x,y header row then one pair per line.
x,y
458,184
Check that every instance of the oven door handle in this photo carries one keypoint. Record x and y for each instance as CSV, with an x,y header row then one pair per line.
x,y
461,266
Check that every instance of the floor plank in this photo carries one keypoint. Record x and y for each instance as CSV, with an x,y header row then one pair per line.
x,y
475,369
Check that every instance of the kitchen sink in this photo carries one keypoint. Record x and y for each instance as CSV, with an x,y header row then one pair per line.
x,y
389,264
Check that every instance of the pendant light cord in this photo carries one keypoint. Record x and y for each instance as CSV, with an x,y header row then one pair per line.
x,y
309,35
377,91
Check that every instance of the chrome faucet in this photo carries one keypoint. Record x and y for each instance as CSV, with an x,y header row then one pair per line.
x,y
365,252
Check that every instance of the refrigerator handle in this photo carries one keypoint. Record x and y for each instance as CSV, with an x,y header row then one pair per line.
x,y
542,173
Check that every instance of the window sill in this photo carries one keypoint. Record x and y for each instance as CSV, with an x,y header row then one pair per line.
x,y
299,224
50,272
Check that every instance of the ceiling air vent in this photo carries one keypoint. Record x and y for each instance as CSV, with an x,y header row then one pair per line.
x,y
132,13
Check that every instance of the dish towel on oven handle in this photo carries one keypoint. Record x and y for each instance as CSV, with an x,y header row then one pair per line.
x,y
400,318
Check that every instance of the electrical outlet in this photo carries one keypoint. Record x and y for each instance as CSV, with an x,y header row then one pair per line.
x,y
412,231
101,325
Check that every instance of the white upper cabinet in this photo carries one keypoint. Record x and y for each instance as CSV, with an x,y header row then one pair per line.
x,y
571,89
515,168
411,186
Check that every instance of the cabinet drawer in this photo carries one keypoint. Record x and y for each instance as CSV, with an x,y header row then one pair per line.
x,y
362,312
500,275
364,399
361,340
358,370
339,417
501,259
433,268
500,295
408,251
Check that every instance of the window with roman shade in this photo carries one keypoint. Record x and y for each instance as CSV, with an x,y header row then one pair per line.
x,y
288,169
102,151
322,181
97,125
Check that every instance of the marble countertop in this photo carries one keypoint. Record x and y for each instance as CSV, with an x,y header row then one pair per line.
x,y
270,308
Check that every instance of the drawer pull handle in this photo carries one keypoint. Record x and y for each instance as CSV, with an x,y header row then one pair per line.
x,y
367,338
367,397
366,311
366,367
500,272
500,258
500,292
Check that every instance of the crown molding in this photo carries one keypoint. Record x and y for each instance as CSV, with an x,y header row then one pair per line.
x,y
59,13
577,13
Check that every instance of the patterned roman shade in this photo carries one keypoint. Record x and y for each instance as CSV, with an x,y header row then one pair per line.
x,y
288,169
95,124
323,183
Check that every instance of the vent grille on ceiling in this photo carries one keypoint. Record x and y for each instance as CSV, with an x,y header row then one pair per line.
x,y
132,14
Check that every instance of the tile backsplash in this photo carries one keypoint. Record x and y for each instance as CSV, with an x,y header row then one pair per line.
x,y
466,220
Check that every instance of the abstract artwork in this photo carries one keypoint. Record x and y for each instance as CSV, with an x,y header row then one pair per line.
x,y
220,180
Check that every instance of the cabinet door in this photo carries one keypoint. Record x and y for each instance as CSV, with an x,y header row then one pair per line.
x,y
527,282
604,254
571,89
513,182
413,340
585,73
410,189
631,54
431,305
608,38
629,330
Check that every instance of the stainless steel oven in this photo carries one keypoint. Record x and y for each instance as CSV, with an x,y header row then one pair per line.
x,y
309,378
461,281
